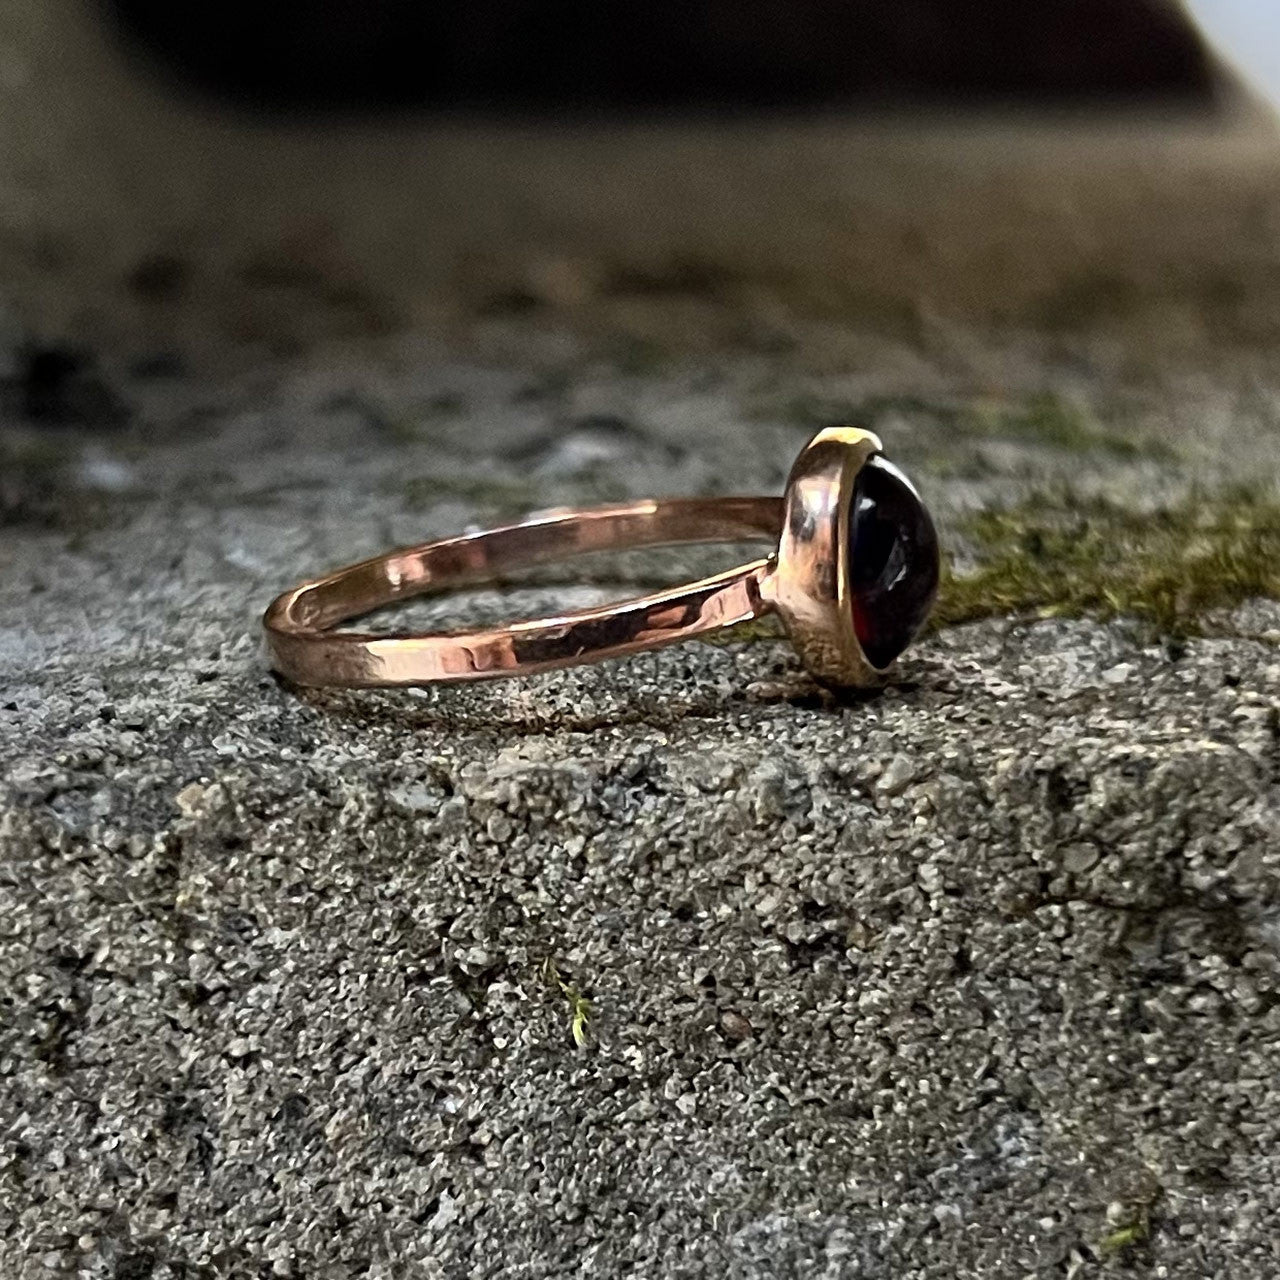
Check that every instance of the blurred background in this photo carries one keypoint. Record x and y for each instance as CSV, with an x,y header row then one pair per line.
x,y
201,185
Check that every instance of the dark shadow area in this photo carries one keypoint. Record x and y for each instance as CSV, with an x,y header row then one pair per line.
x,y
572,54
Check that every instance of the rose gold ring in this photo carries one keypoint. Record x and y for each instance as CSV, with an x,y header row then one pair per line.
x,y
853,574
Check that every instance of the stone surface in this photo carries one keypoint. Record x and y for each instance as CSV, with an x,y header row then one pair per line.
x,y
970,979
893,561
977,977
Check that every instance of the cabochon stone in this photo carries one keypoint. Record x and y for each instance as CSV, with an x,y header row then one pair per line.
x,y
893,562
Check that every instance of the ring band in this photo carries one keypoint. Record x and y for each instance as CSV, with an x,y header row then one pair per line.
x,y
846,553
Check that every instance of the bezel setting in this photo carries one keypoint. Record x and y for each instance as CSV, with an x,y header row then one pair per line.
x,y
811,584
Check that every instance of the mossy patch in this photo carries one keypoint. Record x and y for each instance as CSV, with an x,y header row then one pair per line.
x,y
1130,1224
1067,556
1123,1238
1055,423
579,1005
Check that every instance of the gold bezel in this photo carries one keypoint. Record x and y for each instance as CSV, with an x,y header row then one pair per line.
x,y
810,583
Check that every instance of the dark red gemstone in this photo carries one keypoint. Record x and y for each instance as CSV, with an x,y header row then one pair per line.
x,y
893,561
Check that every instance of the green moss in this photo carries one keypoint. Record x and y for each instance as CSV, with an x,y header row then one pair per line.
x,y
1132,1229
1124,1237
1062,556
579,1005
1071,557
1056,423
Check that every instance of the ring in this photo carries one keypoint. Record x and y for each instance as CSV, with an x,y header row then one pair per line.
x,y
853,575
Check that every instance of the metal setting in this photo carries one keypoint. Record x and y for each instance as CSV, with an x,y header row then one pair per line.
x,y
806,581
809,585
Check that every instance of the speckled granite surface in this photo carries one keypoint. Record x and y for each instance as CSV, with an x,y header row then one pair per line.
x,y
974,978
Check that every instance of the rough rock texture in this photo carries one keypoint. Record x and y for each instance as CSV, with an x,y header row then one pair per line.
x,y
974,978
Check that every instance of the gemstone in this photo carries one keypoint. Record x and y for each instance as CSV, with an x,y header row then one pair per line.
x,y
893,561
